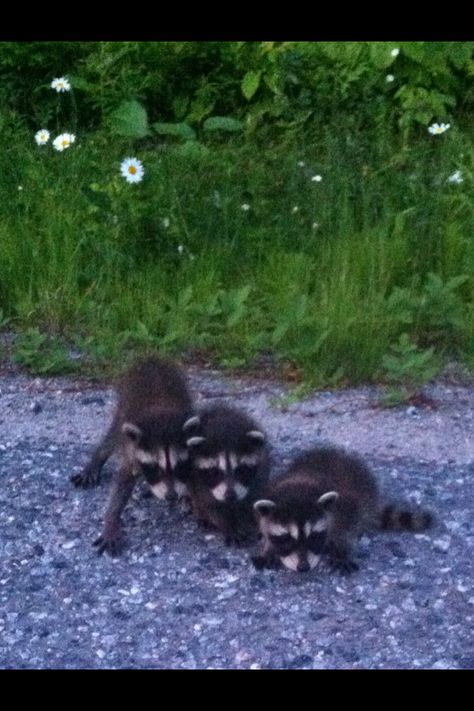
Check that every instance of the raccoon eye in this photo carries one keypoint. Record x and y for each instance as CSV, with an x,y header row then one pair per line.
x,y
245,473
316,540
151,472
211,477
182,469
284,545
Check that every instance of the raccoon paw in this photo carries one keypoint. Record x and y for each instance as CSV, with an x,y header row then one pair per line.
x,y
205,524
87,478
259,561
345,566
185,506
113,545
236,539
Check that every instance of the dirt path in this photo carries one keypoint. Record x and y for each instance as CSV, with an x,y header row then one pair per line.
x,y
178,598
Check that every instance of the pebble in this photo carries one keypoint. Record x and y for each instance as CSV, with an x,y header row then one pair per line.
x,y
442,544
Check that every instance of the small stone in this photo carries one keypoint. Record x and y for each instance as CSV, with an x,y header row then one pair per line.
x,y
93,400
442,544
69,544
443,664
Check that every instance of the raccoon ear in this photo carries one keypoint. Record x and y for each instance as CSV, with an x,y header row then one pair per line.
x,y
194,441
264,507
133,432
256,436
194,421
328,500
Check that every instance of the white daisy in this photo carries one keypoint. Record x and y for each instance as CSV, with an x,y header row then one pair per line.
x,y
295,209
316,178
245,207
395,52
301,164
455,178
315,225
389,78
63,141
132,170
180,248
42,136
61,85
166,223
437,128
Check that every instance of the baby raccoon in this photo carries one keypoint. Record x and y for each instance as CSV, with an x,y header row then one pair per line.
x,y
325,500
147,430
230,458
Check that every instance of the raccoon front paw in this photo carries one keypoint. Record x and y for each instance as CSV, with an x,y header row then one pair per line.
x,y
87,478
205,524
259,561
113,545
185,505
236,539
345,566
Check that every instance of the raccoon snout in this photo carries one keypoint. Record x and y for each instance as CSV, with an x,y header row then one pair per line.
x,y
230,495
303,566
171,496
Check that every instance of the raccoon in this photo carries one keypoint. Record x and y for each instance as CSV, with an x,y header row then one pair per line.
x,y
230,464
147,431
325,500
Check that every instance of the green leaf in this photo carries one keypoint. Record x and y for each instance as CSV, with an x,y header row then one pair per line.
x,y
222,123
250,84
193,150
130,119
180,130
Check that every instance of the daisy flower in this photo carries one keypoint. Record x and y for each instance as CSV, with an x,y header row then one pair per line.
x,y
132,170
301,164
316,178
389,78
245,207
63,141
295,209
455,178
437,128
395,52
61,85
42,136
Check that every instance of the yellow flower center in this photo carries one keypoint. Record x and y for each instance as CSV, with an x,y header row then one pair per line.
x,y
132,170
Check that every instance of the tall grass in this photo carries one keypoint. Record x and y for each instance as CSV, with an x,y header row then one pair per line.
x,y
235,249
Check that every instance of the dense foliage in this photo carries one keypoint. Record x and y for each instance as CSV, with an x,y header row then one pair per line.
x,y
295,201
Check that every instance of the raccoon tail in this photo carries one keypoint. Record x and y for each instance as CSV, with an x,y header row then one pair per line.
x,y
394,518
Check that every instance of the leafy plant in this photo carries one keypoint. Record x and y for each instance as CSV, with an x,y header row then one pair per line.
x,y
407,368
42,354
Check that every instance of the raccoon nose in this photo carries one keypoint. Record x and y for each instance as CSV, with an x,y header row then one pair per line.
x,y
230,495
303,566
171,495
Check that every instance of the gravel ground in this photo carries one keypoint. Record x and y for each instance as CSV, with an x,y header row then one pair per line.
x,y
177,598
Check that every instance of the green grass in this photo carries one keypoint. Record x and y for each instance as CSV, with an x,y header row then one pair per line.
x,y
174,263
